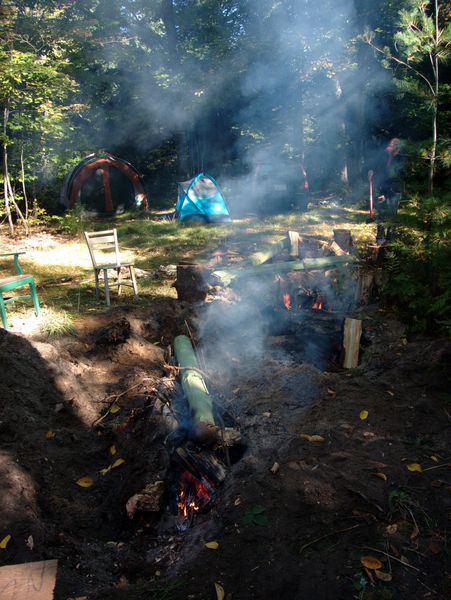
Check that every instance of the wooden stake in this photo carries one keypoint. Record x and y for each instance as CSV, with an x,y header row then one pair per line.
x,y
294,238
351,342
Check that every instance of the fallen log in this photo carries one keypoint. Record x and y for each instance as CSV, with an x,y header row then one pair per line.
x,y
204,430
226,276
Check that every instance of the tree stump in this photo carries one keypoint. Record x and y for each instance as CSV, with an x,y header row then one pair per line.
x,y
191,282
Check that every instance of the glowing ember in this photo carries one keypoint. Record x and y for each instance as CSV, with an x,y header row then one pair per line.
x,y
318,304
192,497
286,300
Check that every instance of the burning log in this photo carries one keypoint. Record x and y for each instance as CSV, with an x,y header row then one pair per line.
x,y
225,277
193,384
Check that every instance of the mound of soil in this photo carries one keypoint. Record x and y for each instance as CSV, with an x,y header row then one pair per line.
x,y
338,465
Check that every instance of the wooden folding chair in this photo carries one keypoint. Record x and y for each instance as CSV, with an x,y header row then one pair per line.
x,y
7,284
104,250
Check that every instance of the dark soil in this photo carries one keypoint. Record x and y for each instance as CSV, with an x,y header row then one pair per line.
x,y
296,529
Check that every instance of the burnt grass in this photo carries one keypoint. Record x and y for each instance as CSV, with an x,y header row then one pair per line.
x,y
295,515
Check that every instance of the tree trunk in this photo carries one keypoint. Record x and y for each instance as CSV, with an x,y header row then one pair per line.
x,y
6,173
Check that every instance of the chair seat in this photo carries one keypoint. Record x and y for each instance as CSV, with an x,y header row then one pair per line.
x,y
18,278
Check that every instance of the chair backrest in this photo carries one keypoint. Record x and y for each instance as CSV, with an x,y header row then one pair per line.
x,y
103,247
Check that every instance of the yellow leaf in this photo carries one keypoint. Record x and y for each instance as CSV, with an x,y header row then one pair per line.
x,y
311,438
391,529
381,476
50,434
212,545
115,409
363,415
117,463
371,562
219,591
415,467
113,450
383,576
85,481
5,541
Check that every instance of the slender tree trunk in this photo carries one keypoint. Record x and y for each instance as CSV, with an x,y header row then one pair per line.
x,y
5,172
435,66
24,189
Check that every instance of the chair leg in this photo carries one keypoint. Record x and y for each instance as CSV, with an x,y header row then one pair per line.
x,y
133,278
96,275
119,279
3,313
34,296
107,287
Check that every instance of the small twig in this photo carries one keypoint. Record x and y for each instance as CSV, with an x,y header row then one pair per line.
x,y
437,467
115,399
323,537
394,558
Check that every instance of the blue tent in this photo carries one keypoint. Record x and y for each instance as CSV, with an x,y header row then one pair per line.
x,y
200,199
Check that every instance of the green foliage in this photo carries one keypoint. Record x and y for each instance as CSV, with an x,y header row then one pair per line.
x,y
57,323
418,280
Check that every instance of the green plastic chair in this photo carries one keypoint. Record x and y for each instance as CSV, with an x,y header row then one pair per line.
x,y
8,284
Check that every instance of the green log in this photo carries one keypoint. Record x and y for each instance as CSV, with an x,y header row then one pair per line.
x,y
267,253
199,400
324,262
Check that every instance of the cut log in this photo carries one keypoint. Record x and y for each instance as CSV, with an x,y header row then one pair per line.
x,y
204,430
28,581
343,238
294,239
351,342
191,282
225,277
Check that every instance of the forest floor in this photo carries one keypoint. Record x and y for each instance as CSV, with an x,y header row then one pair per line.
x,y
361,510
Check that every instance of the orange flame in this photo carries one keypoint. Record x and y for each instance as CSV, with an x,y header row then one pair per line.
x,y
287,300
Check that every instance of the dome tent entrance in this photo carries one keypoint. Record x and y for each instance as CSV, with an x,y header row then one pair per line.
x,y
200,199
103,184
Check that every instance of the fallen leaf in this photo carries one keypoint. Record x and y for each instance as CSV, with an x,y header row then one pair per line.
x,y
117,463
383,576
115,409
380,475
415,533
50,434
391,529
390,392
275,468
219,591
331,392
122,581
267,414
212,545
113,450
415,468
85,482
371,562
5,541
363,415
311,438
30,542
435,459
105,471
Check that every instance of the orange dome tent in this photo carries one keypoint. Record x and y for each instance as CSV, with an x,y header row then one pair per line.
x,y
104,184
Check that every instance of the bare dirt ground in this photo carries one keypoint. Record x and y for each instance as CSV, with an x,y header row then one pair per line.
x,y
296,516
